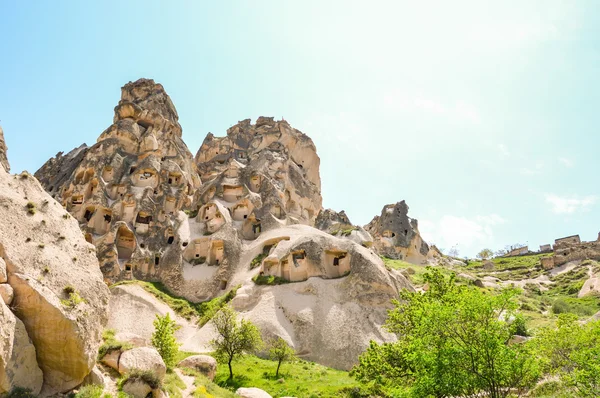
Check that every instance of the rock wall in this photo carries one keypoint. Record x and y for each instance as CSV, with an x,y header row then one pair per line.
x,y
55,302
3,149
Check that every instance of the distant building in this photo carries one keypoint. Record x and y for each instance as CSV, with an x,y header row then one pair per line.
x,y
518,251
545,248
568,240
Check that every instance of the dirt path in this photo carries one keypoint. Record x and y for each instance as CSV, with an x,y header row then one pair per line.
x,y
189,383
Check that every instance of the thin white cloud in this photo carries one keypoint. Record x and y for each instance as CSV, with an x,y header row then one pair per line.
x,y
570,205
467,233
531,171
566,162
457,111
503,150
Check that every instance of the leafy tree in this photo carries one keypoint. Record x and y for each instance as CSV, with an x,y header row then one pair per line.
x,y
572,351
234,338
485,254
280,351
452,341
163,339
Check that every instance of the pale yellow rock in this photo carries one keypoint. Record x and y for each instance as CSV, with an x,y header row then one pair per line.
x,y
112,359
44,253
204,364
18,365
6,293
143,358
3,277
137,389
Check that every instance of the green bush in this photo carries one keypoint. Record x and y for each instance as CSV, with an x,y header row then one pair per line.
x,y
163,339
19,392
111,344
145,376
90,391
269,280
256,261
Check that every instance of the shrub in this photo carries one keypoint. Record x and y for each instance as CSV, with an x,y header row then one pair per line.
x,y
69,289
90,391
269,280
145,376
163,339
111,344
257,261
31,208
73,301
19,392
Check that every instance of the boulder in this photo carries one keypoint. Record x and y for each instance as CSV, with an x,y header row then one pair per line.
x,y
18,365
252,392
6,293
478,283
137,388
204,364
59,293
142,358
111,359
94,378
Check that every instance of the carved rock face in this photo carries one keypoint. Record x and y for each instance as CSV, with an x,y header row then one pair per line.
x,y
396,235
127,191
3,159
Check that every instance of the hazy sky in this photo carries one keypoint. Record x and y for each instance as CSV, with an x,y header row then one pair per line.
x,y
483,117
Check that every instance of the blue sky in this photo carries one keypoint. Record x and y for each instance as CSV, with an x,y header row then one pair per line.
x,y
483,117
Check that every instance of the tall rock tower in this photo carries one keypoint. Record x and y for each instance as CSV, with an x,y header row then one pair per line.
x,y
127,190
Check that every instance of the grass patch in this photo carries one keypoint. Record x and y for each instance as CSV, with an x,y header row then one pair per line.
x,y
145,376
206,388
343,232
269,280
173,385
257,261
191,213
296,379
203,311
90,391
111,344
511,263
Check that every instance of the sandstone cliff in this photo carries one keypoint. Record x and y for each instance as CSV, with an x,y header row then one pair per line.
x,y
52,318
3,156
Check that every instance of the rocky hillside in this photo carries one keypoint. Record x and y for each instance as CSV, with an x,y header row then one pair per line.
x,y
242,213
54,302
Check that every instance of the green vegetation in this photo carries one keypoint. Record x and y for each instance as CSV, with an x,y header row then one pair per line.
x,y
145,376
296,379
257,261
234,338
31,208
110,344
19,392
191,213
451,342
571,351
206,388
485,254
73,301
269,280
511,263
163,339
280,351
173,385
188,310
343,232
90,391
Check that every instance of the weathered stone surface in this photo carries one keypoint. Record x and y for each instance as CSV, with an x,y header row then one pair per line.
x,y
3,158
18,365
111,359
3,276
94,378
338,224
6,293
397,236
252,392
143,358
205,364
137,388
44,253
590,286
131,338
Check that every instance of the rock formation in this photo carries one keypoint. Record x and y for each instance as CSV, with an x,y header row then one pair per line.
x,y
50,323
395,235
127,190
252,217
